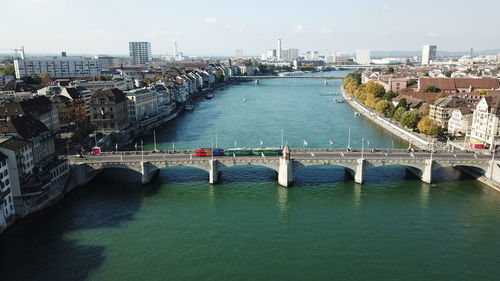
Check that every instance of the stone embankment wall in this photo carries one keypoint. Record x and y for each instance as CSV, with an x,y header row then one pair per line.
x,y
386,124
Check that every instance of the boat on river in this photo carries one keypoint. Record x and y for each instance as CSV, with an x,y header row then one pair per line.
x,y
209,96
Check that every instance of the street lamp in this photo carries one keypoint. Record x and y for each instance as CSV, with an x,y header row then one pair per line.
x,y
492,158
362,147
432,148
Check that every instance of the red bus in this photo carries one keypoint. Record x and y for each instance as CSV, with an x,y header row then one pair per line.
x,y
203,152
96,150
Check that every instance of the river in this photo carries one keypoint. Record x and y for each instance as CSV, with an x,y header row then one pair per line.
x,y
247,227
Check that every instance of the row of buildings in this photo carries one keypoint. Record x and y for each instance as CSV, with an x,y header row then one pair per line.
x,y
465,101
32,176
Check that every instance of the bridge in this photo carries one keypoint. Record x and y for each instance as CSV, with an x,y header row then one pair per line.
x,y
288,77
356,163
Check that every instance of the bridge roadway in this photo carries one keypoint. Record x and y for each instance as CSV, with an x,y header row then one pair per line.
x,y
354,162
289,77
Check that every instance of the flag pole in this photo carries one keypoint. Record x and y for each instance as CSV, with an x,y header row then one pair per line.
x,y
154,138
349,140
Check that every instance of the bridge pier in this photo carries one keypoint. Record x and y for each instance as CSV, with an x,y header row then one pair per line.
x,y
427,172
213,176
148,171
360,169
285,172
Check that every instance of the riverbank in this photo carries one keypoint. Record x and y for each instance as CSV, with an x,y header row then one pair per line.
x,y
125,139
387,124
411,137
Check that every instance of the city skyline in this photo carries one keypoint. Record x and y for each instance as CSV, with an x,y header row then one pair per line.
x,y
224,26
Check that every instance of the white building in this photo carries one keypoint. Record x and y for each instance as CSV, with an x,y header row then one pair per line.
x,y
238,54
312,55
7,211
278,51
460,121
271,54
140,53
293,54
428,54
20,164
363,57
142,104
122,84
58,67
107,61
485,126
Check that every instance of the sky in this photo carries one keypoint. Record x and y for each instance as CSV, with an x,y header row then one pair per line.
x,y
218,27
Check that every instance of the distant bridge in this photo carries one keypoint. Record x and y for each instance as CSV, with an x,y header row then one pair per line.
x,y
288,77
355,163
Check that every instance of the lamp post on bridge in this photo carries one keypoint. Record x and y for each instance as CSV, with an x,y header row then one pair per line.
x,y
432,148
349,140
492,158
142,150
362,148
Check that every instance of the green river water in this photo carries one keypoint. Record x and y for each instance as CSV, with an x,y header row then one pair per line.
x,y
247,227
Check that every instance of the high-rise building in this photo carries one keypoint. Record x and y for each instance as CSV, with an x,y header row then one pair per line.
x,y
428,54
175,49
140,53
238,54
293,54
363,57
278,51
271,54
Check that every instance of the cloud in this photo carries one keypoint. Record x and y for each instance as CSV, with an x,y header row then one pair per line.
x,y
326,31
385,7
210,20
300,28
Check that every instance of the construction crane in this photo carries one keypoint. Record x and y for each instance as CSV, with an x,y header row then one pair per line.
x,y
18,51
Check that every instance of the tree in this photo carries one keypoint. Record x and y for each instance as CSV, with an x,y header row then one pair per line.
x,y
389,95
82,132
411,82
45,75
448,73
9,70
385,107
425,124
371,100
219,76
104,78
410,119
398,114
432,89
390,70
33,80
403,103
374,88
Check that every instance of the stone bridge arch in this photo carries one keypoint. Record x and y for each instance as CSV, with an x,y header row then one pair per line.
x,y
84,173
